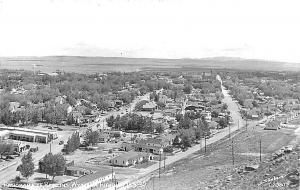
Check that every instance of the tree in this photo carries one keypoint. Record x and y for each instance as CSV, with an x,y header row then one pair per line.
x,y
110,121
161,105
91,137
186,141
159,128
187,89
27,166
140,105
177,140
5,148
54,165
73,143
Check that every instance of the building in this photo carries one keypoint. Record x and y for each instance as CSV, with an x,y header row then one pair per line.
x,y
151,106
14,106
151,145
273,125
130,158
88,182
29,135
126,146
104,137
77,171
4,135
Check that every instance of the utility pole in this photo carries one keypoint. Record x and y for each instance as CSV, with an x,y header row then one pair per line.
x,y
260,150
246,124
205,143
229,130
153,180
238,124
232,152
164,161
159,165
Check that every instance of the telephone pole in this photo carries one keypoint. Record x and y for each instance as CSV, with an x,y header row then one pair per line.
x,y
164,161
232,152
159,165
205,143
260,150
153,180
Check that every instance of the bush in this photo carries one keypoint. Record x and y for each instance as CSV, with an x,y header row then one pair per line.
x,y
17,179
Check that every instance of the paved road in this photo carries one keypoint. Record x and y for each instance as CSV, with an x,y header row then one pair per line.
x,y
238,122
10,172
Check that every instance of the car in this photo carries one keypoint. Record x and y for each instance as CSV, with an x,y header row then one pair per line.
x,y
16,153
59,129
50,127
61,142
33,149
9,157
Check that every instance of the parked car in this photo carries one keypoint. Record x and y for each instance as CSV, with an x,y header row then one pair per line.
x,y
9,157
34,149
61,142
16,153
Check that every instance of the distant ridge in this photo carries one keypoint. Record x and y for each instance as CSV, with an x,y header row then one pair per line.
x,y
84,64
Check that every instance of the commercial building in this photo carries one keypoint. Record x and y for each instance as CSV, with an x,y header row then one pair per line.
x,y
91,181
130,158
30,135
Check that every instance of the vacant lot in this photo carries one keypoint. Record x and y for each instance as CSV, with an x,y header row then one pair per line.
x,y
215,170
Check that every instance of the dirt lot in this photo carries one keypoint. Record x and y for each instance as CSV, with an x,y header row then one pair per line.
x,y
216,170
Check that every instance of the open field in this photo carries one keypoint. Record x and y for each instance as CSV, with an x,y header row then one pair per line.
x,y
215,170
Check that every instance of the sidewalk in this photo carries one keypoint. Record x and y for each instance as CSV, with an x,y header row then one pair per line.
x,y
7,165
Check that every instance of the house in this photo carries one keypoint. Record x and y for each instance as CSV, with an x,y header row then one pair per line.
x,y
4,135
168,139
151,145
14,106
130,158
126,146
150,106
213,125
59,100
77,117
273,125
77,171
104,137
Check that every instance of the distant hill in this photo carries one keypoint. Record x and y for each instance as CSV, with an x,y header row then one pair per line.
x,y
106,64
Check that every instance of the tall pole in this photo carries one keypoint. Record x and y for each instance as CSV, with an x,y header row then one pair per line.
x,y
238,124
50,147
260,150
205,143
229,130
153,180
159,165
232,152
164,161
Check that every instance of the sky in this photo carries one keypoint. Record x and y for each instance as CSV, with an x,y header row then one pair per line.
x,y
259,29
